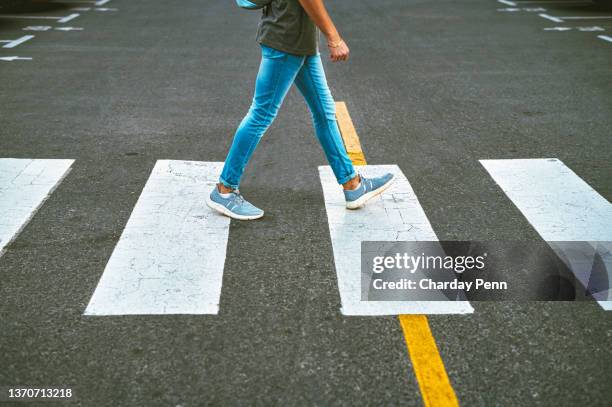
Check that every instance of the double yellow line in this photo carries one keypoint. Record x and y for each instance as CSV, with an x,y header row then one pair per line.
x,y
435,386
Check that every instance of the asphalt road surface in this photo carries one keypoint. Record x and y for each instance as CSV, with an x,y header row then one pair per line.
x,y
432,86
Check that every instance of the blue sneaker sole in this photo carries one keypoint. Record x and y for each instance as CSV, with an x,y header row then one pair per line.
x,y
223,210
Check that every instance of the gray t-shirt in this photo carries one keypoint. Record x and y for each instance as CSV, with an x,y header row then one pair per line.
x,y
286,27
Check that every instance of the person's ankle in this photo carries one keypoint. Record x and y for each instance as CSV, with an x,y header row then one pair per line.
x,y
223,189
352,184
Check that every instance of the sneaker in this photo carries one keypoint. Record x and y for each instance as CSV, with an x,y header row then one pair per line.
x,y
367,189
234,205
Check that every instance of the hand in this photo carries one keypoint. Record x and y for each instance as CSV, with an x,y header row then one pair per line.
x,y
338,51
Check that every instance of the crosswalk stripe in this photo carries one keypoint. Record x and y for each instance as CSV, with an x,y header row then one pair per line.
x,y
433,380
396,215
170,257
24,186
558,203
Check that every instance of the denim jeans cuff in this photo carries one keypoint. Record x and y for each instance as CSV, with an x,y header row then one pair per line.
x,y
346,179
227,184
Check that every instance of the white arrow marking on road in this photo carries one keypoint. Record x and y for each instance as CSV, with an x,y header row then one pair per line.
x,y
69,28
605,38
14,43
171,254
396,215
15,58
557,29
560,206
24,186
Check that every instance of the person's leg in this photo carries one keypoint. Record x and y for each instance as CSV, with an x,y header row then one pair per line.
x,y
312,83
277,72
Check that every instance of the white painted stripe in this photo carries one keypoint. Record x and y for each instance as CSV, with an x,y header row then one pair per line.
x,y
170,257
14,43
15,58
507,2
68,18
396,215
551,18
586,17
24,186
59,19
558,203
605,38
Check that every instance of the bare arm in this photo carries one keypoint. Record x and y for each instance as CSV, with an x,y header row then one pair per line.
x,y
338,50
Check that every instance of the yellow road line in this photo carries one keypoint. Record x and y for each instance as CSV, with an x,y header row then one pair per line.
x,y
436,388
349,134
429,369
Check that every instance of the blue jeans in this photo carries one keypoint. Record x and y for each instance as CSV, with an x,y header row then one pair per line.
x,y
277,72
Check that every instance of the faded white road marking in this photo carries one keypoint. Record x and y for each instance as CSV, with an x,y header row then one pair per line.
x,y
561,19
582,29
59,19
558,203
586,17
507,2
68,18
24,185
394,216
15,58
18,41
37,28
551,18
69,28
516,9
605,38
170,257
590,29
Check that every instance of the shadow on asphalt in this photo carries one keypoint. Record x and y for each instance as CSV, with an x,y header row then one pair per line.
x,y
31,6
603,6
